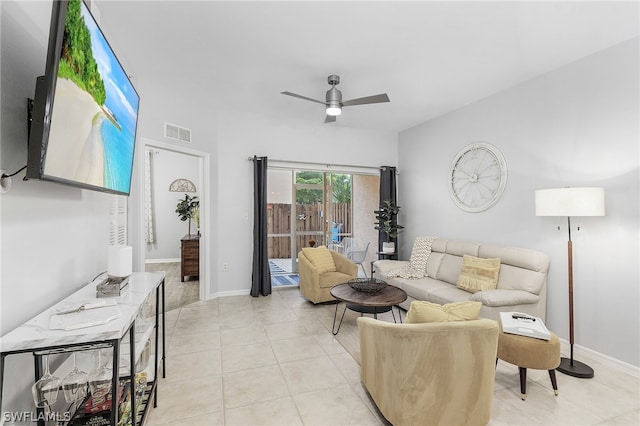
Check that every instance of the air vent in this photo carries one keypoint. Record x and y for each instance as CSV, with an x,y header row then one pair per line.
x,y
178,133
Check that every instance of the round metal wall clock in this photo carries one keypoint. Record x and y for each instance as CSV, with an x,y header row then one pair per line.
x,y
477,177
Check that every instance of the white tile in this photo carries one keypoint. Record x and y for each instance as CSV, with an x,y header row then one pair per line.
x,y
193,342
237,358
286,330
334,406
255,385
277,412
296,348
243,336
312,374
194,365
349,368
187,398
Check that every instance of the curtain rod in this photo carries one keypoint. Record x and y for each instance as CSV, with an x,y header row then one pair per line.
x,y
327,165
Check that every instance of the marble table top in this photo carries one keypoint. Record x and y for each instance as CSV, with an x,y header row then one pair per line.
x,y
37,334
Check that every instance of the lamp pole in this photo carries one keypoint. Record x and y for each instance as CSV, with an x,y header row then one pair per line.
x,y
570,366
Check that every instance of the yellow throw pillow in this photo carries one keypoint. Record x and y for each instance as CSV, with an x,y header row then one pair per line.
x,y
320,258
421,311
479,274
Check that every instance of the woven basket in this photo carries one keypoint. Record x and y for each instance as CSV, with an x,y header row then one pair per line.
x,y
367,285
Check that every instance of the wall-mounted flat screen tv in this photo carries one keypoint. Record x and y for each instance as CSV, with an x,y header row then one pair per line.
x,y
85,109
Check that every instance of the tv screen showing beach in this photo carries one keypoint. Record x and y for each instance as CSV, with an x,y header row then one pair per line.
x,y
95,109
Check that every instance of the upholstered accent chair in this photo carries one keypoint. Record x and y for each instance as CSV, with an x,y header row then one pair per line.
x,y
439,373
320,269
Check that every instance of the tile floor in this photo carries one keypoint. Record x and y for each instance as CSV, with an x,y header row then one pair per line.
x,y
177,293
273,361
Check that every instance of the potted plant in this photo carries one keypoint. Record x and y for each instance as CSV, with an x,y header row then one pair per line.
x,y
387,222
187,208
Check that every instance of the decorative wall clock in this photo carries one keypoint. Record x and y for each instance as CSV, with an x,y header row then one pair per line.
x,y
477,177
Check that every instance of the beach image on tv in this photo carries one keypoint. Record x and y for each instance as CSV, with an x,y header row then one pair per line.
x,y
95,109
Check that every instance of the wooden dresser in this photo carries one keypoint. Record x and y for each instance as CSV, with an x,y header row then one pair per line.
x,y
190,256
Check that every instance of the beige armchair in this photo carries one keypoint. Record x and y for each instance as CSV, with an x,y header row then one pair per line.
x,y
315,286
439,373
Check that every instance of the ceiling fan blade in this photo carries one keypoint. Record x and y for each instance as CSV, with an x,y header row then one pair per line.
x,y
330,119
367,100
302,97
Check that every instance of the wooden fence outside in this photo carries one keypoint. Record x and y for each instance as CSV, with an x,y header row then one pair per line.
x,y
309,218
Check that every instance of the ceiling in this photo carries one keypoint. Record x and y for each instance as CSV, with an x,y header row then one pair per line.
x,y
429,57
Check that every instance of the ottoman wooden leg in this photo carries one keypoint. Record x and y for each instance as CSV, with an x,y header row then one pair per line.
x,y
523,382
554,384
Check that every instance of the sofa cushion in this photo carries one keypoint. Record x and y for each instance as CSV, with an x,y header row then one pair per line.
x,y
514,278
449,269
320,258
504,297
433,263
518,257
384,266
422,311
420,289
448,294
460,248
478,274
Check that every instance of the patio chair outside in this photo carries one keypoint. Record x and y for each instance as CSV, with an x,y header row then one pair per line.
x,y
356,251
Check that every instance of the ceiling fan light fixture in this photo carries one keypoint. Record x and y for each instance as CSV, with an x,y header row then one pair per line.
x,y
334,110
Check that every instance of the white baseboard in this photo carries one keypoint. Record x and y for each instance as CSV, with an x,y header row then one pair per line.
x,y
581,353
162,260
228,294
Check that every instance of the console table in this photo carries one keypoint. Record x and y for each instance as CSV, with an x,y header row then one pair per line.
x,y
189,256
36,337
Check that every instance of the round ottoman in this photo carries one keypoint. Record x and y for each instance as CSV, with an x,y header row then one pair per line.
x,y
529,352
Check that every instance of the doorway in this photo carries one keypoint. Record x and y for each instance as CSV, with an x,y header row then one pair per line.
x,y
309,208
162,251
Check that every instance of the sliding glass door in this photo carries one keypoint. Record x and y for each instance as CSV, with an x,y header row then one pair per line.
x,y
308,222
310,207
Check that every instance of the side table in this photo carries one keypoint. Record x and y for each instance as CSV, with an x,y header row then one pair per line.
x,y
189,256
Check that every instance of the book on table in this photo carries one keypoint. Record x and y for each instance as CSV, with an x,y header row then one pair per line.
x,y
524,325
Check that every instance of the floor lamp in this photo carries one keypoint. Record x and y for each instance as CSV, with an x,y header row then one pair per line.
x,y
571,202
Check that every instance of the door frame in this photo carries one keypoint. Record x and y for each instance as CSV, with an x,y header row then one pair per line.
x,y
205,219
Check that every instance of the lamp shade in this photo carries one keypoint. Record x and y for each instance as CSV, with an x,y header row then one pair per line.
x,y
570,202
119,261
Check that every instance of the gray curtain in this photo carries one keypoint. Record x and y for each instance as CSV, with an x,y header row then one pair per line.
x,y
388,191
261,276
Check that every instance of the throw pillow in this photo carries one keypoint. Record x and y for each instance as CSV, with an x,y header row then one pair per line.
x,y
422,311
320,258
478,274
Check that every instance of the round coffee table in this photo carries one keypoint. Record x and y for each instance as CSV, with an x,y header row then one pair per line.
x,y
367,303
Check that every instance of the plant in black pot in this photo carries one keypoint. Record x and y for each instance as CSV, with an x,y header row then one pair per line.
x,y
387,222
188,208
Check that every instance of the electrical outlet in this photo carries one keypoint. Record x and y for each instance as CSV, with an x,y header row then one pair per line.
x,y
225,266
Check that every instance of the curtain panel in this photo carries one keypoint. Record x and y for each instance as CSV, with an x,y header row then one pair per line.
x,y
261,276
149,236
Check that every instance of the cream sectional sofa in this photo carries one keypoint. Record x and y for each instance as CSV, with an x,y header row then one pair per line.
x,y
522,283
